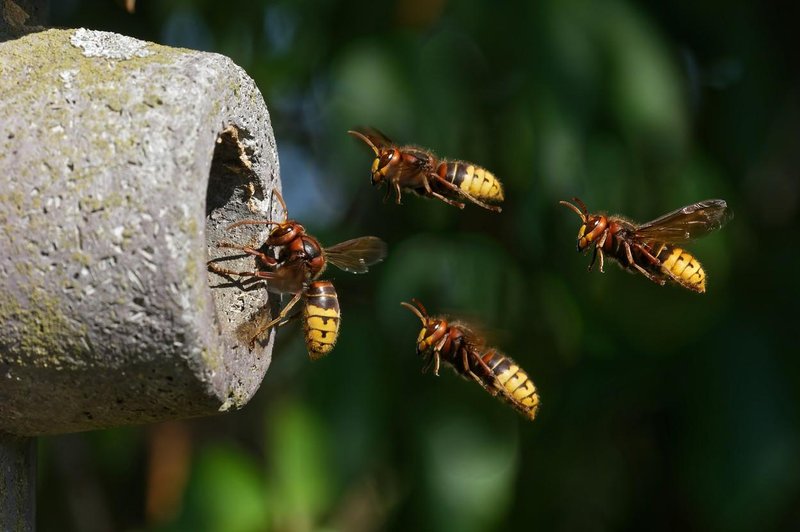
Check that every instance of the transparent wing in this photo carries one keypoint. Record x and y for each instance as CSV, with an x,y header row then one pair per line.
x,y
687,223
377,136
356,255
477,334
413,159
372,136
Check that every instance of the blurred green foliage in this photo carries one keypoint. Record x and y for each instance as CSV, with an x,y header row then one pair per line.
x,y
661,410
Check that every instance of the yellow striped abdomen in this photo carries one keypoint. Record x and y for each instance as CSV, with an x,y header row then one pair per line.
x,y
321,317
513,383
683,268
472,180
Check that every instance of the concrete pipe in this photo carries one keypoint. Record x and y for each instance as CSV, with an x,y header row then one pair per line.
x,y
121,164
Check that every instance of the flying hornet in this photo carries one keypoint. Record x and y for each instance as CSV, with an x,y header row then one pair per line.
x,y
417,170
650,248
464,350
291,261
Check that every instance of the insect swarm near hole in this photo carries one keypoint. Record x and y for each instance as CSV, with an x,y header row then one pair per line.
x,y
650,248
457,345
418,170
298,262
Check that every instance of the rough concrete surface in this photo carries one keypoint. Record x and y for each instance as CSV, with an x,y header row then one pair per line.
x,y
121,162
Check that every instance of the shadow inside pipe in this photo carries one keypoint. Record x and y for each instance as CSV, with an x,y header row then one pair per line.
x,y
231,170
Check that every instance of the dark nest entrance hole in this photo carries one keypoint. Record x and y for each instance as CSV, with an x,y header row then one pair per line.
x,y
232,170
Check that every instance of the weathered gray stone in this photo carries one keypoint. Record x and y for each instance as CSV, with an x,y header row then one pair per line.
x,y
121,162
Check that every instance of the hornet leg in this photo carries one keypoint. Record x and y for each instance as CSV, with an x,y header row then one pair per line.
x,y
280,317
461,193
263,257
639,268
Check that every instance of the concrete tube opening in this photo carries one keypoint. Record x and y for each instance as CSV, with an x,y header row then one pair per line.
x,y
234,194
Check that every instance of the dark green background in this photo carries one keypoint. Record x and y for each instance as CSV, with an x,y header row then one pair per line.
x,y
662,409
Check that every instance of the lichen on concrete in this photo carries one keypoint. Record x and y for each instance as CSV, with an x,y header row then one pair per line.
x,y
108,45
42,329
